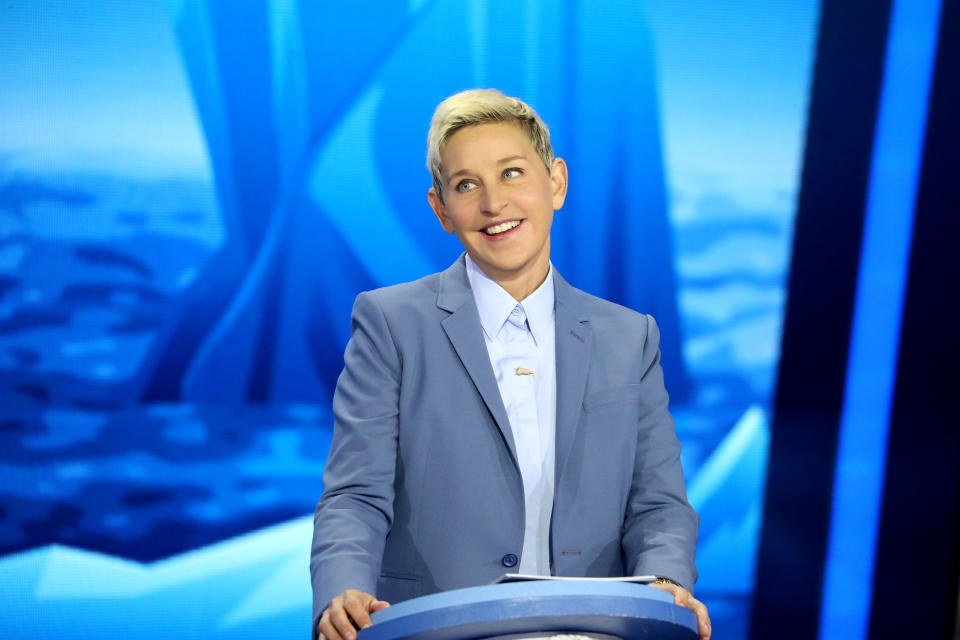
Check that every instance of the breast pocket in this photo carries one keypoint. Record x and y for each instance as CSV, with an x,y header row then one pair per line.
x,y
606,397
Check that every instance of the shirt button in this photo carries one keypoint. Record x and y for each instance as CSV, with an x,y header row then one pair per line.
x,y
509,560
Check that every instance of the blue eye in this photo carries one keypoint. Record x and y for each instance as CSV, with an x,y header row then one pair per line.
x,y
464,186
512,173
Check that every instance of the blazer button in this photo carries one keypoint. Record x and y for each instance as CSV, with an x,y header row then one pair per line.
x,y
509,560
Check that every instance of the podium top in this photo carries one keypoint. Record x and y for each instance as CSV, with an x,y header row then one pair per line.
x,y
541,608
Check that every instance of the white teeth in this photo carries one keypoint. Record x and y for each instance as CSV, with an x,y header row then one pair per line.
x,y
500,228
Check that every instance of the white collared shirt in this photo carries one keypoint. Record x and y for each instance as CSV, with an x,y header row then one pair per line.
x,y
530,400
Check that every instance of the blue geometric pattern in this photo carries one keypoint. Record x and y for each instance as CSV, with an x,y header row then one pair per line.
x,y
248,588
183,234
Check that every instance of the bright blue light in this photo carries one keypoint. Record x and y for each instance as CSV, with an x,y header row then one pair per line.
x,y
872,363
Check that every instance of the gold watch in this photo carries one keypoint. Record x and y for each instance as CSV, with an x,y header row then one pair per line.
x,y
662,580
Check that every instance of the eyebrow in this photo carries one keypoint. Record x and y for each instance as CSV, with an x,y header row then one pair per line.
x,y
499,162
511,159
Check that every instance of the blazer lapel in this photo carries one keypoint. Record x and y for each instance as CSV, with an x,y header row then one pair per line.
x,y
463,329
574,344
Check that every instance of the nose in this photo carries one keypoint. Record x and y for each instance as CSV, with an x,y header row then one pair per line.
x,y
494,199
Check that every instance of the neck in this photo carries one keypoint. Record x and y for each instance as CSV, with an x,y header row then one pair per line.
x,y
521,282
523,285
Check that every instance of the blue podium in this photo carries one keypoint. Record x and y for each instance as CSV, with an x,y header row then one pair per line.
x,y
537,609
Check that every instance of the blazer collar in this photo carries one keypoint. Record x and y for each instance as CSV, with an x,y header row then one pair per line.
x,y
574,344
465,333
454,290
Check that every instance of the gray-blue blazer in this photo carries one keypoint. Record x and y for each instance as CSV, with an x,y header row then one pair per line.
x,y
422,488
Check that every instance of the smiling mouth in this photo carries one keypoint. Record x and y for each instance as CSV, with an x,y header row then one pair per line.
x,y
503,227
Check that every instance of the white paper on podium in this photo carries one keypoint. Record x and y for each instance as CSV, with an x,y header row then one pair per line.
x,y
523,577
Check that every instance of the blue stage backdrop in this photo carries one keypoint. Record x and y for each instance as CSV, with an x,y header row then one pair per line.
x,y
192,193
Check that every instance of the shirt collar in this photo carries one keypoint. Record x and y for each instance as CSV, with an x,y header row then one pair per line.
x,y
494,304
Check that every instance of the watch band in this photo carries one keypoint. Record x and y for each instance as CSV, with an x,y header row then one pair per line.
x,y
663,580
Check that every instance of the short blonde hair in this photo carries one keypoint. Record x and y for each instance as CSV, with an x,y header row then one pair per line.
x,y
482,106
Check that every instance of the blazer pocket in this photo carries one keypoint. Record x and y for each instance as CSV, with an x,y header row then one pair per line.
x,y
397,587
609,396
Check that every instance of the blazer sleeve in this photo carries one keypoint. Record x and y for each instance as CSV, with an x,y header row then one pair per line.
x,y
355,512
660,527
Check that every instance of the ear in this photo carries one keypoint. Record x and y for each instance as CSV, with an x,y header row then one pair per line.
x,y
439,210
558,179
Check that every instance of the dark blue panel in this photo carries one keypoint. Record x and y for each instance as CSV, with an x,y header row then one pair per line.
x,y
875,334
920,516
823,276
